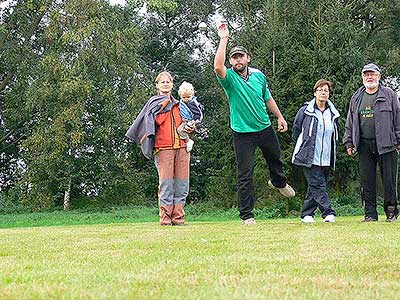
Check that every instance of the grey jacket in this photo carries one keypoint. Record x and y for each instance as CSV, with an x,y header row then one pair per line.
x,y
143,129
304,133
387,120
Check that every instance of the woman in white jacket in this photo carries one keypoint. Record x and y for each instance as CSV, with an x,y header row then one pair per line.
x,y
316,136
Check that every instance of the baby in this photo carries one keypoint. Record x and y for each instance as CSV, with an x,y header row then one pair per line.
x,y
190,111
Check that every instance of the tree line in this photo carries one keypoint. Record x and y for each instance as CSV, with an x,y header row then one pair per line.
x,y
74,74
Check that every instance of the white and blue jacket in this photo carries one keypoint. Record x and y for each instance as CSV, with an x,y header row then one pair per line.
x,y
316,135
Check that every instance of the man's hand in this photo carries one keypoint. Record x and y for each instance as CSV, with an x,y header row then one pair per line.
x,y
223,31
351,151
282,125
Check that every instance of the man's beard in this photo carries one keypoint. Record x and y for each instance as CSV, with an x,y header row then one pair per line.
x,y
371,86
240,70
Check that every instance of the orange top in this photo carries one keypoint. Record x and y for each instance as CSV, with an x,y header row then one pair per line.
x,y
167,135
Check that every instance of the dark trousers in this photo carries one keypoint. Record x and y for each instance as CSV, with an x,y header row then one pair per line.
x,y
245,145
368,160
317,192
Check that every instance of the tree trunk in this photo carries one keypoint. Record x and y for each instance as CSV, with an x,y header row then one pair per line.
x,y
67,194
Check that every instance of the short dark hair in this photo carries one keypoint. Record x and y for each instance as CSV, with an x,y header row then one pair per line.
x,y
323,82
238,49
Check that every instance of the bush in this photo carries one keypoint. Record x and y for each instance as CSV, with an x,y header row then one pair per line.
x,y
9,202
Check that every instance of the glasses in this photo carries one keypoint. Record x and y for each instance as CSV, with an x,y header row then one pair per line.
x,y
370,74
322,90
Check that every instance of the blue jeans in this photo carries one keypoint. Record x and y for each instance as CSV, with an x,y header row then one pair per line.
x,y
245,145
317,192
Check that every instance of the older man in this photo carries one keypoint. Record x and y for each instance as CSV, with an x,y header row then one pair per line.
x,y
373,131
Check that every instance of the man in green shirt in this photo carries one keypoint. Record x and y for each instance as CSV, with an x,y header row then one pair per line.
x,y
249,98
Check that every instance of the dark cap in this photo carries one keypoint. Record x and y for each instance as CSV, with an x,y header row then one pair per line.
x,y
371,67
238,49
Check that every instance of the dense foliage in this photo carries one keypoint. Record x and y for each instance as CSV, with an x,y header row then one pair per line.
x,y
74,74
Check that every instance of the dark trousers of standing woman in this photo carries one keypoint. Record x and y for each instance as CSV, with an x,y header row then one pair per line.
x,y
245,145
317,192
368,160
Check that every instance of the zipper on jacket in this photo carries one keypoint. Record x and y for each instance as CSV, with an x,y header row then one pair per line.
x,y
173,128
323,134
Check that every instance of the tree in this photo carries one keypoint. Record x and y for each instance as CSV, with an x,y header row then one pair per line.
x,y
22,24
76,100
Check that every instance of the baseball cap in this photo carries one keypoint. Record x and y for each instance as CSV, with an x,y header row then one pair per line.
x,y
371,67
238,49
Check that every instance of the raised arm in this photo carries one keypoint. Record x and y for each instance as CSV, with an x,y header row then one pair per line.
x,y
219,60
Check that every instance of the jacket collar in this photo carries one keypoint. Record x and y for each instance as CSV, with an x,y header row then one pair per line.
x,y
310,109
381,93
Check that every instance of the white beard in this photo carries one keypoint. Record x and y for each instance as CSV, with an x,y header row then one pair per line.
x,y
371,86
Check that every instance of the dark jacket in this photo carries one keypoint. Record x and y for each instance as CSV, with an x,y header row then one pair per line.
x,y
143,129
304,133
191,110
387,120
196,109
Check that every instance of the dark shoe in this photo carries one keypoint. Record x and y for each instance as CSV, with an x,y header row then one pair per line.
x,y
166,224
179,224
369,219
391,219
391,214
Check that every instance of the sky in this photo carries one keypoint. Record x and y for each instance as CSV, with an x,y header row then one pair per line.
x,y
120,2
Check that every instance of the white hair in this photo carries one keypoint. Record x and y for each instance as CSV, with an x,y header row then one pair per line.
x,y
186,87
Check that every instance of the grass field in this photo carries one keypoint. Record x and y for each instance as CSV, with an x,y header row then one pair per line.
x,y
276,259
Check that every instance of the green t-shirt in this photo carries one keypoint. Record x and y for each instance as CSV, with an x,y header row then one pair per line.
x,y
248,111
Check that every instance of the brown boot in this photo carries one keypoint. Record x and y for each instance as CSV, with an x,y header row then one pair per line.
x,y
178,215
166,215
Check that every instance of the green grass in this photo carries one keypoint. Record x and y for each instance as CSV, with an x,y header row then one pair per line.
x,y
276,259
135,214
107,215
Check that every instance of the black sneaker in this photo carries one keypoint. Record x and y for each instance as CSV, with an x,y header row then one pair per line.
x,y
392,218
369,219
391,214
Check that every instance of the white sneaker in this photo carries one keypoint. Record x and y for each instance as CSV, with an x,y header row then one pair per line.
x,y
330,219
249,221
189,145
308,219
286,191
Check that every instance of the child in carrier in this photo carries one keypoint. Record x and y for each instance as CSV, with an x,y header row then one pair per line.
x,y
190,110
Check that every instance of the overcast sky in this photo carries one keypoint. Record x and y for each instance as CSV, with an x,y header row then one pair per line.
x,y
121,2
